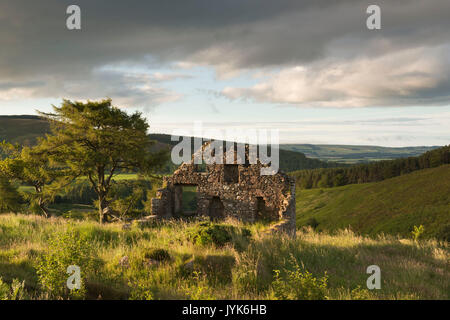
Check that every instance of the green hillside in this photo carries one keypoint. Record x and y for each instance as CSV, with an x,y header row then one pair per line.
x,y
370,172
354,154
391,206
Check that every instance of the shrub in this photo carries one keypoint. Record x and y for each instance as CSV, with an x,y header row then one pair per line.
x,y
299,285
360,294
207,233
417,232
140,291
158,255
66,248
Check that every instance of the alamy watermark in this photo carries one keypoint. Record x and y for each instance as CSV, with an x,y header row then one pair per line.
x,y
73,22
224,150
374,281
74,280
373,22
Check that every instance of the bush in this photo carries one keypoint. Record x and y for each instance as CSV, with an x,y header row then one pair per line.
x,y
299,285
158,255
207,233
140,291
360,294
65,249
417,232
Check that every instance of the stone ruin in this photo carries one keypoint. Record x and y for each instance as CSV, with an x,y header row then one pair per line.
x,y
235,189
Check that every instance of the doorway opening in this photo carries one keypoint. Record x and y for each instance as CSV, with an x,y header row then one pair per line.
x,y
185,200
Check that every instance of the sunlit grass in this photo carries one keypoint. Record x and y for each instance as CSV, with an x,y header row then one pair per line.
x,y
409,269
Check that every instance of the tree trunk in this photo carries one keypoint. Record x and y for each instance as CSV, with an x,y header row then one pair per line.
x,y
44,209
102,206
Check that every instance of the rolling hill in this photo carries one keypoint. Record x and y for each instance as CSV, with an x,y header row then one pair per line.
x,y
23,129
391,206
353,154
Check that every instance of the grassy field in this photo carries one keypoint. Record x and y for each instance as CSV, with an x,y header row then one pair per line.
x,y
391,206
242,269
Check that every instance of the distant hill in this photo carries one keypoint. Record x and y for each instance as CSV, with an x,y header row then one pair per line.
x,y
22,129
391,206
26,129
354,154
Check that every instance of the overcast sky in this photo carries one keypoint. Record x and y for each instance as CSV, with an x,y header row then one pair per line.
x,y
311,69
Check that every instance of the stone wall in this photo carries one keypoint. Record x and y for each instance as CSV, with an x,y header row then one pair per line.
x,y
231,190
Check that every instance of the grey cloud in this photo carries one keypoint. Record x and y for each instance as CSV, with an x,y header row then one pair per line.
x,y
126,89
229,35
26,84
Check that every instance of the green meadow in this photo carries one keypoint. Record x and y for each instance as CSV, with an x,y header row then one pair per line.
x,y
391,206
164,261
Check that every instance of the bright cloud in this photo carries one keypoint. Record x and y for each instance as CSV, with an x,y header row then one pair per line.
x,y
418,76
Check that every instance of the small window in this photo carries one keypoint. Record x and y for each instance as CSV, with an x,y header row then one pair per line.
x,y
231,173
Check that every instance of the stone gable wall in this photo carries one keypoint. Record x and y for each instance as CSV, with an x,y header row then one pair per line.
x,y
243,200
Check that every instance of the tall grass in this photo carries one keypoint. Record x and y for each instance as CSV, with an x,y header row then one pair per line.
x,y
241,269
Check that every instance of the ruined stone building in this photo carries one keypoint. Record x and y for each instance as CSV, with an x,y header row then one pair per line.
x,y
229,190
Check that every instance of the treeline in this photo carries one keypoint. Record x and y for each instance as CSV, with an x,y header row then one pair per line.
x,y
291,161
371,172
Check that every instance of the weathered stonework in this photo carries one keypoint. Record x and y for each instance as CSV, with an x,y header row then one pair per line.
x,y
230,190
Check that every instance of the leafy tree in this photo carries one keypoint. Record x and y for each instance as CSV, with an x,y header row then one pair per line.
x,y
31,166
10,198
99,141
